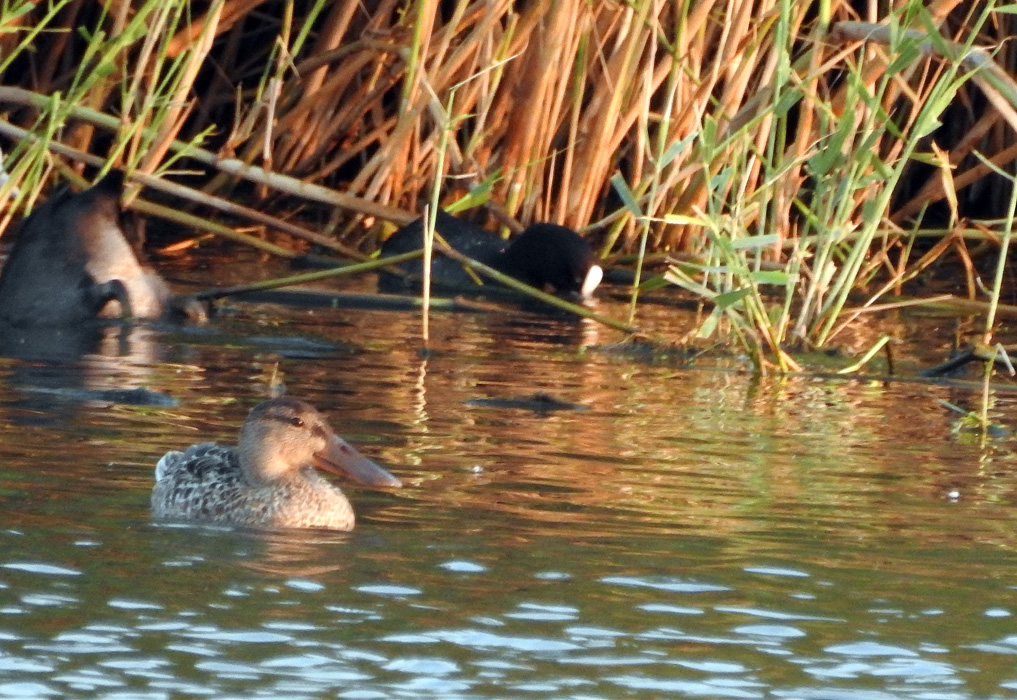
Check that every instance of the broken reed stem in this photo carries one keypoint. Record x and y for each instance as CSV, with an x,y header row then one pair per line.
x,y
303,278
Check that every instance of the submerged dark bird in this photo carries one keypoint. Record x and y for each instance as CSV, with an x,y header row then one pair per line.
x,y
71,263
546,256
268,480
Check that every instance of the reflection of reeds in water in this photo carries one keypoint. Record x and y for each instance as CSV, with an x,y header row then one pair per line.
x,y
694,452
662,453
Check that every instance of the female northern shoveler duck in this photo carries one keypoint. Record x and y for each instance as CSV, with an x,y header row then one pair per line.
x,y
71,263
545,256
268,480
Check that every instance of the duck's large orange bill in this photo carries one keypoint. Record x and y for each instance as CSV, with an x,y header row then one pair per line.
x,y
343,459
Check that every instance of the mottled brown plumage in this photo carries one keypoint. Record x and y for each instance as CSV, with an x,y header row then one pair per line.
x,y
268,480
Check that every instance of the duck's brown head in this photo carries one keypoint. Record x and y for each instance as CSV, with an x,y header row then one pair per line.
x,y
284,435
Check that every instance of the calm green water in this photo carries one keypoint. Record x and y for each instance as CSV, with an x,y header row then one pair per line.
x,y
692,533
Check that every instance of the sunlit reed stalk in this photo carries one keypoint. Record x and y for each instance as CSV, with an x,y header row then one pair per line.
x,y
923,118
425,277
661,159
990,316
430,214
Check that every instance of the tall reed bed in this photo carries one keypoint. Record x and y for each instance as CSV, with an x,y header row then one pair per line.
x,y
778,150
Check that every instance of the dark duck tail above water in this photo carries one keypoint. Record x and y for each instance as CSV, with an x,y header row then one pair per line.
x,y
71,263
546,256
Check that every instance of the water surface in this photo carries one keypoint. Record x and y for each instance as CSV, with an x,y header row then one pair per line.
x,y
688,532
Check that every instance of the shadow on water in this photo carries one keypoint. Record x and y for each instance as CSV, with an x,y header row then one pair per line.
x,y
688,532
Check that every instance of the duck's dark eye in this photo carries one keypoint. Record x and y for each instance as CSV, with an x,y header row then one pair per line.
x,y
297,422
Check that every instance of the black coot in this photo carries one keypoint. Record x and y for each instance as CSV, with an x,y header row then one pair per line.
x,y
546,256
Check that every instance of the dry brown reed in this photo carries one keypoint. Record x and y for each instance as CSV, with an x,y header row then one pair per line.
x,y
344,103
